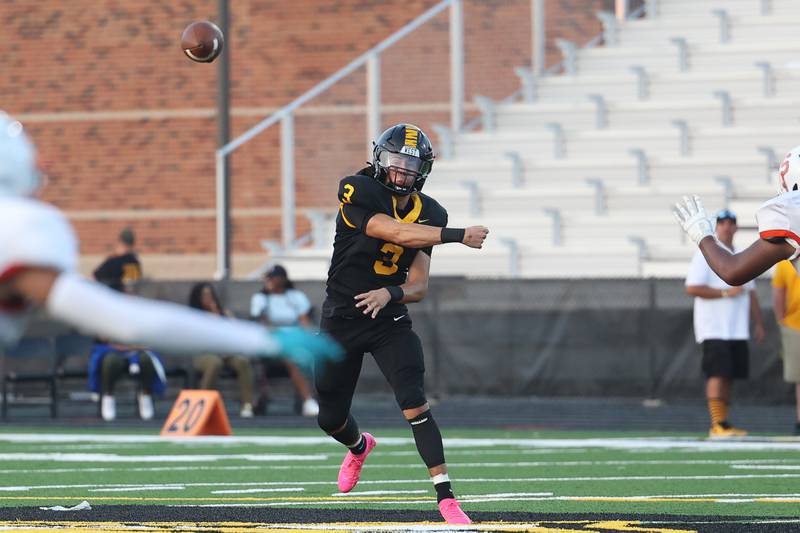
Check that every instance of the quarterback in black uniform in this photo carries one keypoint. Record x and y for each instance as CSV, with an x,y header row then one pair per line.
x,y
385,231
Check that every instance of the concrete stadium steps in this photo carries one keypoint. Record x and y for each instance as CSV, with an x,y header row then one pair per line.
x,y
581,260
706,110
749,173
493,261
689,9
745,209
569,199
701,57
601,258
530,185
703,27
703,141
534,228
451,260
746,80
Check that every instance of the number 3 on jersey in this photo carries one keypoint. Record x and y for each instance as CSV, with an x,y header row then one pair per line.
x,y
387,265
348,195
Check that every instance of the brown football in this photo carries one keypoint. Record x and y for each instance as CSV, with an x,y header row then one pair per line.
x,y
202,41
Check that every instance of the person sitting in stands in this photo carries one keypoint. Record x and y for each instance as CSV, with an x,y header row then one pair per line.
x,y
204,297
280,304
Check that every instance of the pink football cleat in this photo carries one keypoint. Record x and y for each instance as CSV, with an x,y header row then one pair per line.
x,y
350,471
452,512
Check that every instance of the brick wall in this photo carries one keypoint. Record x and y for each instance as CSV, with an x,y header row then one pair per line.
x,y
125,123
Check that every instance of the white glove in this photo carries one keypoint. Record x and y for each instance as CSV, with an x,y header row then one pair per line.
x,y
693,219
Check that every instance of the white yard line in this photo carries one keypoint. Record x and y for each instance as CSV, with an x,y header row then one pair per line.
x,y
492,451
723,495
171,458
397,526
493,499
378,493
414,481
139,488
252,491
750,466
505,495
744,464
638,444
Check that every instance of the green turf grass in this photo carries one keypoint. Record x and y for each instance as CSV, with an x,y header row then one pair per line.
x,y
478,472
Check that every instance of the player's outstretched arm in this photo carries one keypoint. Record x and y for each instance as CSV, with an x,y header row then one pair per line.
x,y
734,269
94,308
386,228
738,269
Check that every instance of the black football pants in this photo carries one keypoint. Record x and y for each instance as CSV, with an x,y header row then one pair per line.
x,y
396,349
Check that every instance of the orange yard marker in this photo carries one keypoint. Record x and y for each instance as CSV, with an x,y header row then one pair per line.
x,y
197,412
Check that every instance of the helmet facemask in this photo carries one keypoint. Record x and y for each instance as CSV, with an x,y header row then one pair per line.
x,y
402,173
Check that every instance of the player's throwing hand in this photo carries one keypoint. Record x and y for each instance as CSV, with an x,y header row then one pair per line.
x,y
475,235
692,217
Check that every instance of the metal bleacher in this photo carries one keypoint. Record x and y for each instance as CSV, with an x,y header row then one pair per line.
x,y
576,176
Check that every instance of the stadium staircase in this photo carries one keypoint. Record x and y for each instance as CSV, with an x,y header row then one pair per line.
x,y
576,173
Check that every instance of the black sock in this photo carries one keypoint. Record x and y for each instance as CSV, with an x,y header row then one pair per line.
x,y
443,491
359,448
349,435
428,439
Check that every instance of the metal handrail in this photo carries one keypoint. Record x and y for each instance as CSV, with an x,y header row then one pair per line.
x,y
326,84
285,117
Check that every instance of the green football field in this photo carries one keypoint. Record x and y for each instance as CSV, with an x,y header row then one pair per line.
x,y
575,473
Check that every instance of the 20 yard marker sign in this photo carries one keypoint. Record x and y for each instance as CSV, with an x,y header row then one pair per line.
x,y
197,412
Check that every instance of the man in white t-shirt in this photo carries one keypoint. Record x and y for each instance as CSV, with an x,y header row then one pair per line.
x,y
722,325
279,304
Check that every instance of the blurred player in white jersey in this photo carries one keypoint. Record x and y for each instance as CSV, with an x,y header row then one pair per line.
x,y
38,257
778,226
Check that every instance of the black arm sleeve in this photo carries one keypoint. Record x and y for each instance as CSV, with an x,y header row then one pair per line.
x,y
360,198
356,217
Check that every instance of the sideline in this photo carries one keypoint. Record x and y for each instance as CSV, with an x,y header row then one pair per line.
x,y
622,443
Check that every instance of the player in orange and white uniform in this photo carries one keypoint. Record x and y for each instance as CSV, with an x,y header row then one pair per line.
x,y
38,258
778,226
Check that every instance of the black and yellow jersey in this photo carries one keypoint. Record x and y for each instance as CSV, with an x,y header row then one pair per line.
x,y
361,263
119,270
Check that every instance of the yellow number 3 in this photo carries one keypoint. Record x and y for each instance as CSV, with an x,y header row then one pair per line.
x,y
349,190
392,254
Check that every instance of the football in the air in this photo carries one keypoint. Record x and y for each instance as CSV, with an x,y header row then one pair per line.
x,y
202,41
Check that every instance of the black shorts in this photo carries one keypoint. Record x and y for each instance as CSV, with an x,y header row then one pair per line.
x,y
726,359
393,344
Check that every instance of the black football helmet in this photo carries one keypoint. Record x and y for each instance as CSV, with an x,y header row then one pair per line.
x,y
402,158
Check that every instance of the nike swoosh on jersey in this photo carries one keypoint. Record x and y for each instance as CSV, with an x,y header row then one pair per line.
x,y
424,220
398,318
